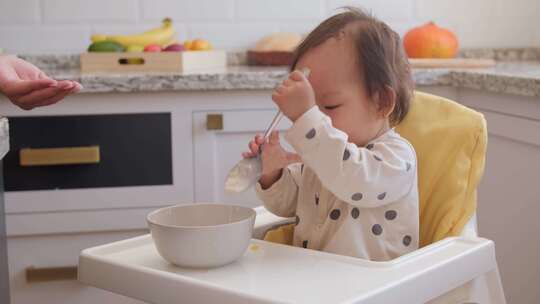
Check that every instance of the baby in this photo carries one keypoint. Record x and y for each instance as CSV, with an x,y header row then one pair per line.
x,y
353,188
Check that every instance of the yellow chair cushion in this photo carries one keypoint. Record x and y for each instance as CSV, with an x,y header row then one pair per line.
x,y
450,142
282,234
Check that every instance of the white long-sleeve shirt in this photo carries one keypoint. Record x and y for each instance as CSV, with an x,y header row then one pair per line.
x,y
349,200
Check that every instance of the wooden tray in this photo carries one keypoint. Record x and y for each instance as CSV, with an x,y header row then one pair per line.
x,y
270,58
466,63
188,61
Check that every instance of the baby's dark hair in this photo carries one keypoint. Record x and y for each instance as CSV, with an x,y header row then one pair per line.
x,y
382,61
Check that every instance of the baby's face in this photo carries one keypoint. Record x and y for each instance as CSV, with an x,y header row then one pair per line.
x,y
340,91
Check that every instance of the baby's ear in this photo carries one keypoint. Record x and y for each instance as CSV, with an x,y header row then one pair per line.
x,y
386,101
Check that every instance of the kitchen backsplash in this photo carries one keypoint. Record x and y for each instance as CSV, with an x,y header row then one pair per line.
x,y
64,26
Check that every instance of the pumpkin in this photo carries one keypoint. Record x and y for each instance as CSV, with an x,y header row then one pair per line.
x,y
430,41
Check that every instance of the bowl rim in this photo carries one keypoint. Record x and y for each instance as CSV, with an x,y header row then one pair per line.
x,y
249,209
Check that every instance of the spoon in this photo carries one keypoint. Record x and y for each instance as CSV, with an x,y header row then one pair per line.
x,y
248,170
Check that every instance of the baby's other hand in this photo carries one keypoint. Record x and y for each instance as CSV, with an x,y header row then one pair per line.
x,y
294,96
274,157
254,146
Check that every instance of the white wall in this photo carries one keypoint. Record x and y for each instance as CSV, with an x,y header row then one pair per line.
x,y
64,26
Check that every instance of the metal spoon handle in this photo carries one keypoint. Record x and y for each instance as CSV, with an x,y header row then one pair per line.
x,y
273,124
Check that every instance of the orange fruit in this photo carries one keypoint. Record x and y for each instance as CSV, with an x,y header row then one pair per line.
x,y
188,44
430,41
200,45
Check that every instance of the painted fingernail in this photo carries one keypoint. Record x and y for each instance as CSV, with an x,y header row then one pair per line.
x,y
66,85
76,88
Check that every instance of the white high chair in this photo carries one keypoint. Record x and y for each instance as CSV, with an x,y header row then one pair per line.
x,y
454,270
461,286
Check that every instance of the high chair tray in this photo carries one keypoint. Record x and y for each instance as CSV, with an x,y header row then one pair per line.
x,y
274,273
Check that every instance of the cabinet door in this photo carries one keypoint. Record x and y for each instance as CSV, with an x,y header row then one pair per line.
x,y
509,196
44,269
219,137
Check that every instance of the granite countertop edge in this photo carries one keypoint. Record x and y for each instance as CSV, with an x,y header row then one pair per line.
x,y
246,78
517,77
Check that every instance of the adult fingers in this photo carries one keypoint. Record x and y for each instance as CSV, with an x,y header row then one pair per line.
x,y
53,99
77,87
66,84
24,87
38,96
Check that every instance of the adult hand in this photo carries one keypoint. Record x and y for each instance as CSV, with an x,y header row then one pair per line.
x,y
28,87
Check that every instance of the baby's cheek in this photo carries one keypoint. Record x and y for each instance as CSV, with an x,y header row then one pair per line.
x,y
337,121
329,114
347,123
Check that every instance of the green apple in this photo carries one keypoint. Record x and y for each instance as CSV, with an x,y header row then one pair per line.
x,y
135,48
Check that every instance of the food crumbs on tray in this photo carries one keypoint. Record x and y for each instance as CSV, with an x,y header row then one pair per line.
x,y
254,247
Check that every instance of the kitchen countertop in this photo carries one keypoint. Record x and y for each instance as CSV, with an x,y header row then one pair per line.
x,y
510,77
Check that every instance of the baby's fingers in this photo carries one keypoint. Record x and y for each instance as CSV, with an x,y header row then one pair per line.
x,y
259,139
296,76
293,158
287,82
281,89
253,147
274,138
248,154
276,97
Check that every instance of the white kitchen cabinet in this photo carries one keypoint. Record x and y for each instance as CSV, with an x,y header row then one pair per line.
x,y
41,269
509,196
47,229
76,222
217,148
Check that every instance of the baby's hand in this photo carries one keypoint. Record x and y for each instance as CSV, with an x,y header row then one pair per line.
x,y
294,96
274,157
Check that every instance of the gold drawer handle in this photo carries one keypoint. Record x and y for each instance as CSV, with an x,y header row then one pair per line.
x,y
35,275
214,122
59,156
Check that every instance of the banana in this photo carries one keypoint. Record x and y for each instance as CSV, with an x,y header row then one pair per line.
x,y
163,35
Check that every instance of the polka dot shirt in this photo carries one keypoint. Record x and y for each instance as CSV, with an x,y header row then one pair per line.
x,y
349,200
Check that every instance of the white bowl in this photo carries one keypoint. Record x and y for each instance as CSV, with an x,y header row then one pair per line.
x,y
201,235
